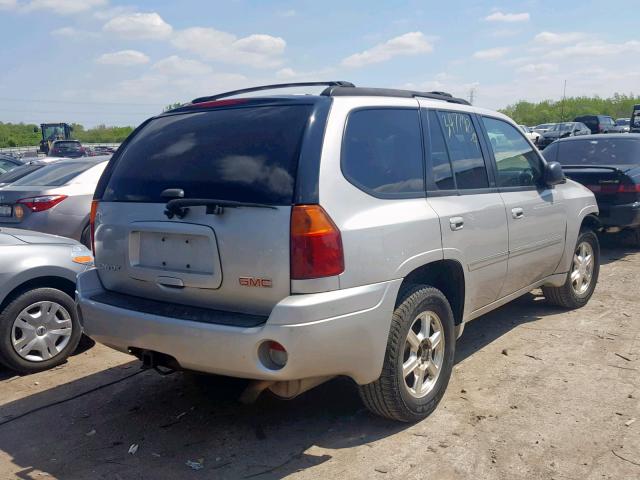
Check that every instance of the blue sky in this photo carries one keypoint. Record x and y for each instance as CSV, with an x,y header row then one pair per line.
x,y
116,62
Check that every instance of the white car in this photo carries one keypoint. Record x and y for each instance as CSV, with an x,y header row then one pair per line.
x,y
531,135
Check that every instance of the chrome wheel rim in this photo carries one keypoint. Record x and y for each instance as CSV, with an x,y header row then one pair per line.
x,y
582,269
423,354
41,331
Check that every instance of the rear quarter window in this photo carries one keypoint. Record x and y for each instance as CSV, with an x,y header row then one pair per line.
x,y
247,154
382,152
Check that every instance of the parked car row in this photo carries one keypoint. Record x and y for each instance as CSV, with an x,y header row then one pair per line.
x,y
235,236
562,130
582,125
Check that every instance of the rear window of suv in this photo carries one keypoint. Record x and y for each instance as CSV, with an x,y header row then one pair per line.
x,y
247,154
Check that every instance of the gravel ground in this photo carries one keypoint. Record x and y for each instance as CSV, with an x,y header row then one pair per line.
x,y
537,393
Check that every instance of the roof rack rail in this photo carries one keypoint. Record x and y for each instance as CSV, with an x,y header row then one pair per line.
x,y
339,91
335,83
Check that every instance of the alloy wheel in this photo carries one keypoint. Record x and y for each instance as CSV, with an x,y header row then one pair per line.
x,y
582,270
423,354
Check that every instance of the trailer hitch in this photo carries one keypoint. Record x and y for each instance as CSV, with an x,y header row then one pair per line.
x,y
153,361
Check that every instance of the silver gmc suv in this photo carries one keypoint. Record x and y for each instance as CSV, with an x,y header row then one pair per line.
x,y
288,239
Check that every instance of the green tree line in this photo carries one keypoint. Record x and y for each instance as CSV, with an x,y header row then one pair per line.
x,y
23,134
547,111
523,112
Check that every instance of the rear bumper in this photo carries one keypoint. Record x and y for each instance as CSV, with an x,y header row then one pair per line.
x,y
621,215
343,332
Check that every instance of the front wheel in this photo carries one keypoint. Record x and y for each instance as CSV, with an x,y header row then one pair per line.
x,y
418,359
38,330
582,277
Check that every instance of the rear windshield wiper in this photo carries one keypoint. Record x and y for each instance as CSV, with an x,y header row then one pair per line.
x,y
179,206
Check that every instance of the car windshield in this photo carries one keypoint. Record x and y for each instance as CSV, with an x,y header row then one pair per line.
x,y
245,154
18,172
544,125
623,122
605,151
562,127
51,132
54,175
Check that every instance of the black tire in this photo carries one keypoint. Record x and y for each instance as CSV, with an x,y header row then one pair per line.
x,y
565,296
85,238
635,237
389,395
8,355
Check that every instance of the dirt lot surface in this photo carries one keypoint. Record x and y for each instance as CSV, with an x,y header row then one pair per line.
x,y
537,393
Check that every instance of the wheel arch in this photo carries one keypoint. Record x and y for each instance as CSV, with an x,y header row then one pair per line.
x,y
591,222
59,283
445,275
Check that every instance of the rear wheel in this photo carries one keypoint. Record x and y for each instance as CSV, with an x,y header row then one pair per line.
x,y
418,359
38,330
582,277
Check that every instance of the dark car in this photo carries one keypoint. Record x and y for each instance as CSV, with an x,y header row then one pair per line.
x,y
67,148
609,167
7,162
599,123
562,130
18,172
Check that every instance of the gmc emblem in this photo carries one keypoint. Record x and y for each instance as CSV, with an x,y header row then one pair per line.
x,y
256,282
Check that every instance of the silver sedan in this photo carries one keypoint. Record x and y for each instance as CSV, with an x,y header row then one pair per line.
x,y
39,326
54,199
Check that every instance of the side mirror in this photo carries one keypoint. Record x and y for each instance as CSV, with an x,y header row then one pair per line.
x,y
553,174
36,129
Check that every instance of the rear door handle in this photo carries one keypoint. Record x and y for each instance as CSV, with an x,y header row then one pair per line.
x,y
517,212
456,223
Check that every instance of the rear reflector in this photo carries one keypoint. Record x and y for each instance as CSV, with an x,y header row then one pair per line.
x,y
40,204
316,244
92,223
277,354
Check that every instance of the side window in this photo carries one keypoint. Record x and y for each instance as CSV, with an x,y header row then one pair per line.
x,y
518,165
382,152
439,173
464,149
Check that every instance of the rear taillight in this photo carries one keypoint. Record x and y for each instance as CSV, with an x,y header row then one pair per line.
x,y
316,244
92,223
39,204
629,188
615,188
